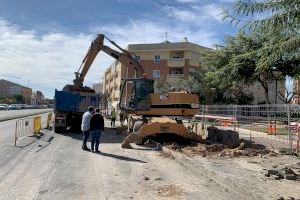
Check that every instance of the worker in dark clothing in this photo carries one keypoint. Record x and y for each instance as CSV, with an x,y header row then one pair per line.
x,y
96,126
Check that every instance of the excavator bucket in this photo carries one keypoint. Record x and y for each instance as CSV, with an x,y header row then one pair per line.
x,y
156,127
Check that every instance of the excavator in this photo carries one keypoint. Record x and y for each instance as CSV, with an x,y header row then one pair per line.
x,y
151,114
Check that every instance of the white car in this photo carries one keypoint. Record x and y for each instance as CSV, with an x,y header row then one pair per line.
x,y
3,106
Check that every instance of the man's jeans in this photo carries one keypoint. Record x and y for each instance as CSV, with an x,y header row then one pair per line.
x,y
86,135
95,139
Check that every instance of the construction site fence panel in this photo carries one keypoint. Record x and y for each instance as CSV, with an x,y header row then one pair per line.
x,y
30,125
272,126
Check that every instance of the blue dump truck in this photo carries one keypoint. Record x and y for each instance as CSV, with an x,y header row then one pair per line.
x,y
69,107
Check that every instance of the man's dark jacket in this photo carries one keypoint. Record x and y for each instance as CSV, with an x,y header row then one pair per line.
x,y
97,122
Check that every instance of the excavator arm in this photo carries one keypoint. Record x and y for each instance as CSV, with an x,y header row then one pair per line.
x,y
98,45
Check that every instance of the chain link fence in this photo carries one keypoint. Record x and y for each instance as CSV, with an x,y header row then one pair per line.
x,y
272,126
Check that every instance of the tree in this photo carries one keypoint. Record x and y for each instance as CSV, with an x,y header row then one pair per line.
x,y
283,14
277,19
235,64
19,98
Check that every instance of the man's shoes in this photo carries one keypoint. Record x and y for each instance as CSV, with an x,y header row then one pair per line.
x,y
97,150
86,149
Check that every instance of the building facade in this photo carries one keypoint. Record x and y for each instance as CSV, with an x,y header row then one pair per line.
x,y
259,93
98,88
37,98
8,88
161,62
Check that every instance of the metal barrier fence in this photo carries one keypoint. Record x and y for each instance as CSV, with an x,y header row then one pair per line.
x,y
30,125
274,126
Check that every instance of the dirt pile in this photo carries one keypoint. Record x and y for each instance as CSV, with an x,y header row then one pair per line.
x,y
226,137
166,154
242,151
196,148
219,150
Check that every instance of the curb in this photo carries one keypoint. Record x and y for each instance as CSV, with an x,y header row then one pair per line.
x,y
22,116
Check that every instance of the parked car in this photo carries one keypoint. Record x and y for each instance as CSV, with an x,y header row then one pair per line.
x,y
13,107
3,106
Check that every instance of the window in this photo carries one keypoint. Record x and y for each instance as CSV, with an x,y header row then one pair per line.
x,y
137,58
176,71
156,73
157,58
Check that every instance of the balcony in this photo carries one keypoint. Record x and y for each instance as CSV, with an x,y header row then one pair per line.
x,y
172,77
176,62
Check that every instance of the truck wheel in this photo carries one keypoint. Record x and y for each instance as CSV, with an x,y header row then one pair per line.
x,y
136,127
59,130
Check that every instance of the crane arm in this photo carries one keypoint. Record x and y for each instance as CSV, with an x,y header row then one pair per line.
x,y
98,45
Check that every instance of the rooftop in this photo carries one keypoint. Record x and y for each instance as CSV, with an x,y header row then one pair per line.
x,y
166,46
2,80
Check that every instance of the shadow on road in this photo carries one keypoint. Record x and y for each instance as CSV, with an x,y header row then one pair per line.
x,y
108,136
120,157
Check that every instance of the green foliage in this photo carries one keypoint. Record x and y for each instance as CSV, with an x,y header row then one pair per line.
x,y
278,21
267,14
19,98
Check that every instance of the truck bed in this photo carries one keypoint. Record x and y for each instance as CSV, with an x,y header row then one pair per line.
x,y
74,101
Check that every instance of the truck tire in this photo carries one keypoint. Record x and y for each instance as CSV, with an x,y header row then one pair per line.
x,y
59,129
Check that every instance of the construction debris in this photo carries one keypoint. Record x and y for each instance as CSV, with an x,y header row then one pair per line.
x,y
166,154
226,137
247,152
290,172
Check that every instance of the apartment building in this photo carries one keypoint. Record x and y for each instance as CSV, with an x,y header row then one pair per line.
x,y
112,81
161,61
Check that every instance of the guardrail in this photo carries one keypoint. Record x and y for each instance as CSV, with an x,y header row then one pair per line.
x,y
30,125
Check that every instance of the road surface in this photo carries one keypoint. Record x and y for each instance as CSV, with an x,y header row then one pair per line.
x,y
12,114
55,167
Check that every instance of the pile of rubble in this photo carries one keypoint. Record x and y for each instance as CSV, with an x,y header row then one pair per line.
x,y
242,151
290,172
228,138
219,150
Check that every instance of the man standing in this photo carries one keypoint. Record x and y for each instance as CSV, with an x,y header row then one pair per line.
x,y
85,126
113,118
96,125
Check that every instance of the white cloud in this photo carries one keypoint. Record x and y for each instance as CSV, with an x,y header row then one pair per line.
x,y
198,14
49,61
212,10
181,14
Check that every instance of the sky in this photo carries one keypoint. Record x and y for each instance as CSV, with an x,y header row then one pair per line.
x,y
43,42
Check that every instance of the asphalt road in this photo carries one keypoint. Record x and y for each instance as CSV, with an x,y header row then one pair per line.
x,y
55,167
12,114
